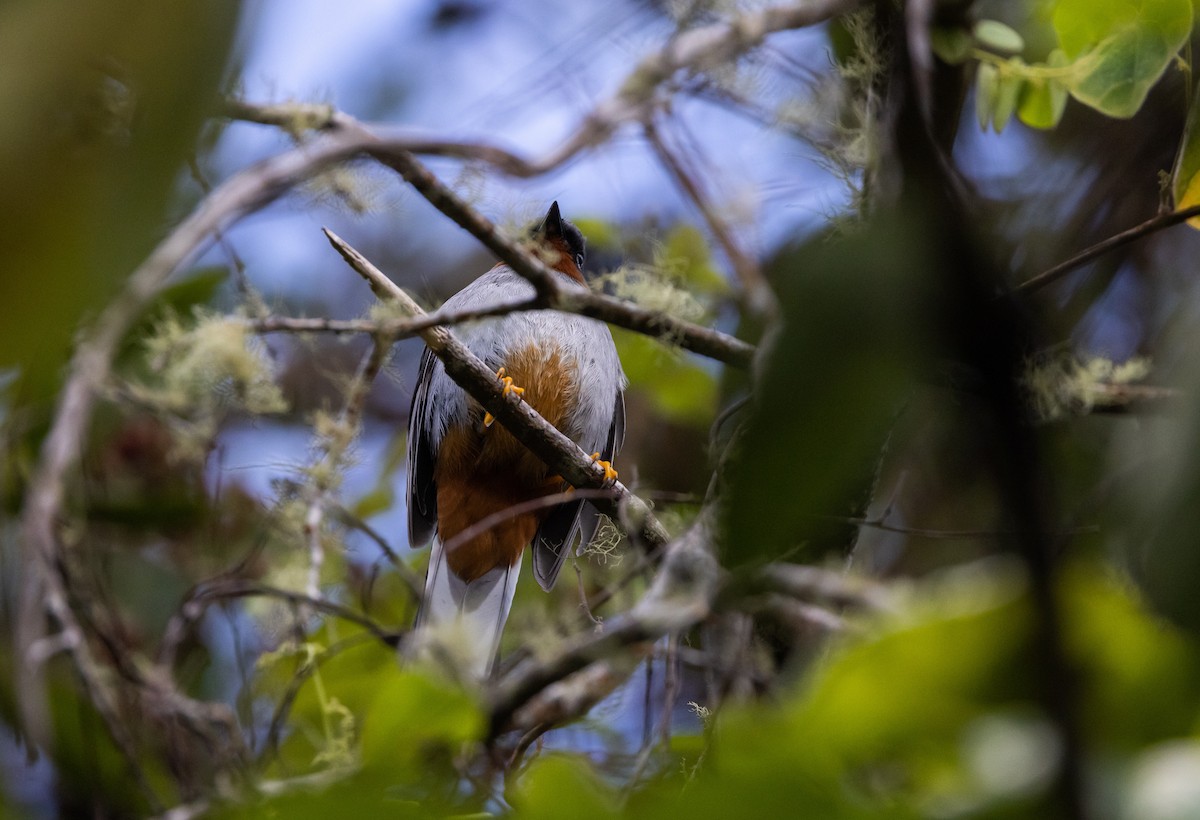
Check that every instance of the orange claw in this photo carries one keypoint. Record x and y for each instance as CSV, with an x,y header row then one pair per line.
x,y
610,474
509,387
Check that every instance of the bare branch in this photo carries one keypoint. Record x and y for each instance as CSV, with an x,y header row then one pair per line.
x,y
394,329
1152,225
555,293
46,583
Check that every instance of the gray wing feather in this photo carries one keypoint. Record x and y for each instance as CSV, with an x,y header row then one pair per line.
x,y
422,488
572,526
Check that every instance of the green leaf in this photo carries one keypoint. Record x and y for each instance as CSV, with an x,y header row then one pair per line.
x,y
1083,24
558,785
1185,178
952,45
685,256
987,89
1043,101
994,35
1144,676
1120,48
1008,91
680,388
417,722
118,99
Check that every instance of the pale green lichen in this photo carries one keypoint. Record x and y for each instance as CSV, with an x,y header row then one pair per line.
x,y
199,369
604,548
1064,385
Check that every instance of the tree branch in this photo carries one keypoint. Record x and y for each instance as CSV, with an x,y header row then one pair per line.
x,y
394,329
694,50
1152,225
680,597
757,290
552,292
46,582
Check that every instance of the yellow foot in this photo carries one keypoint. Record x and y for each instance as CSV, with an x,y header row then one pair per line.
x,y
509,387
610,474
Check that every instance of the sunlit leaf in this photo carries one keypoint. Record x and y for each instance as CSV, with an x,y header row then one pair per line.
x,y
1185,178
1043,100
415,718
1119,48
994,35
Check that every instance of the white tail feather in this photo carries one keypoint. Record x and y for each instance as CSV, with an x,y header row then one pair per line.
x,y
465,619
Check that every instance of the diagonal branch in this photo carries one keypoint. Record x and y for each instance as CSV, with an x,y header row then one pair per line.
x,y
1154,224
755,285
470,373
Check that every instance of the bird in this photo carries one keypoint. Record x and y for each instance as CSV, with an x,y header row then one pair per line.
x,y
463,468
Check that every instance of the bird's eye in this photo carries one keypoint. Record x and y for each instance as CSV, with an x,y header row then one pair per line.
x,y
579,260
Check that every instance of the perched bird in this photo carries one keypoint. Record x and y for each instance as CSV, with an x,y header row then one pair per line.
x,y
462,468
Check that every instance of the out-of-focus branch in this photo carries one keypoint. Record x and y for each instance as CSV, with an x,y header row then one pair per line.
x,y
815,584
46,583
759,297
337,442
681,596
694,50
526,425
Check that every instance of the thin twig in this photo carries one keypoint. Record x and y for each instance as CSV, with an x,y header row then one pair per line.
x,y
1152,225
239,588
335,445
512,511
394,329
758,292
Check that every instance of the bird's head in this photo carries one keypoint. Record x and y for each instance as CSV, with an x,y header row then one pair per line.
x,y
560,244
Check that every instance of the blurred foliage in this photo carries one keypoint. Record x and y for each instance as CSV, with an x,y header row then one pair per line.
x,y
102,102
1108,55
821,416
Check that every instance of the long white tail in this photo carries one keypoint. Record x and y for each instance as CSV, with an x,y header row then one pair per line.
x,y
465,621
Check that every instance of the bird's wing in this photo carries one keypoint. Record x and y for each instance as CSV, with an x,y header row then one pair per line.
x,y
422,457
573,525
